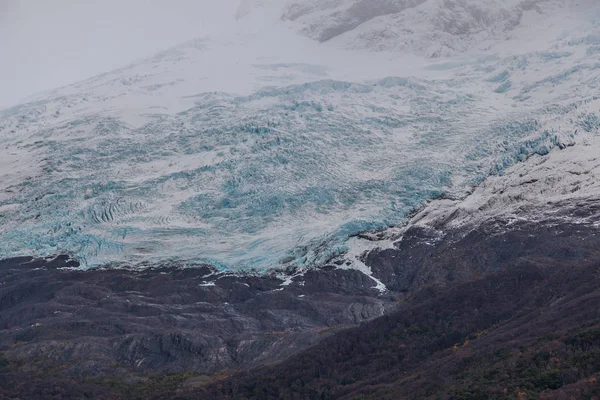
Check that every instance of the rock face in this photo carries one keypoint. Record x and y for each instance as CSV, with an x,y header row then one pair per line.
x,y
170,319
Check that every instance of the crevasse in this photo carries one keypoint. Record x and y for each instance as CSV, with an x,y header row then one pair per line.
x,y
276,178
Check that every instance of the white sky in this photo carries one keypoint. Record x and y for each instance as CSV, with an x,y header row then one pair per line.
x,y
45,44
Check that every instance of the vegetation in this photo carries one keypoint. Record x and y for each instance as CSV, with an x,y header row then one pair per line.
x,y
4,364
520,334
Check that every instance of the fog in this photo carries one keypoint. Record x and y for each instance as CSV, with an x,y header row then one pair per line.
x,y
47,44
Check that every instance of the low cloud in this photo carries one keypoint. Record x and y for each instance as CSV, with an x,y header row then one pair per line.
x,y
47,44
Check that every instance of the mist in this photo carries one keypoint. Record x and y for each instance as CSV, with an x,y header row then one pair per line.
x,y
48,44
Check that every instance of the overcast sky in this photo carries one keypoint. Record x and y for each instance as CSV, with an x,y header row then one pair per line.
x,y
45,44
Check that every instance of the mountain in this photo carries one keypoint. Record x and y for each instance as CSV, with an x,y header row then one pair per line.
x,y
432,28
261,149
232,201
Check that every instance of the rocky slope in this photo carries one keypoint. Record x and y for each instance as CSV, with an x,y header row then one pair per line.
x,y
170,319
530,331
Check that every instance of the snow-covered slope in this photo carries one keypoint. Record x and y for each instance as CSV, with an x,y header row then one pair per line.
x,y
544,189
263,147
433,28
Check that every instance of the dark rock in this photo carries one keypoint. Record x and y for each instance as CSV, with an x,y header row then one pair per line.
x,y
423,258
161,320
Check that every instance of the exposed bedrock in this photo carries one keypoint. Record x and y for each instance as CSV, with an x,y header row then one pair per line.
x,y
170,319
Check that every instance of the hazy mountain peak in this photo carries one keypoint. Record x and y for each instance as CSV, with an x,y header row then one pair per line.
x,y
424,27
248,7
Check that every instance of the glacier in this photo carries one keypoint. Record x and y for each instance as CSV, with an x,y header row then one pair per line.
x,y
219,151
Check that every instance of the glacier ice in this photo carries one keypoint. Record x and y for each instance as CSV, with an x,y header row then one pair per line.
x,y
283,174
